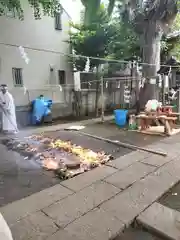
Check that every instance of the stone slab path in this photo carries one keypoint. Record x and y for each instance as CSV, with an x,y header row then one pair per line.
x,y
99,204
162,220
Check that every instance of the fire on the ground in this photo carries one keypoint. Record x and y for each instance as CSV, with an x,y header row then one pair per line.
x,y
63,157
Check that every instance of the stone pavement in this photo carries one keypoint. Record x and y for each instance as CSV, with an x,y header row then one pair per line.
x,y
99,204
63,126
162,220
20,177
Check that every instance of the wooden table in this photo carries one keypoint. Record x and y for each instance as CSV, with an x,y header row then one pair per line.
x,y
146,120
169,114
167,108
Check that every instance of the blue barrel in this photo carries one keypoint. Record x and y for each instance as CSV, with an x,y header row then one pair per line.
x,y
120,117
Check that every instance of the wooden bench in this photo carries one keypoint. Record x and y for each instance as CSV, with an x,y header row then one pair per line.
x,y
169,114
145,121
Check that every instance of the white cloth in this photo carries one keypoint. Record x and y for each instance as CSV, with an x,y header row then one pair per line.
x,y
172,94
5,233
152,105
8,115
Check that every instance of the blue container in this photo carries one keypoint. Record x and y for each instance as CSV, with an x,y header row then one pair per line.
x,y
120,117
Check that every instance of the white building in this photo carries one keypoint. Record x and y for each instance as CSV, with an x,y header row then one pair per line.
x,y
44,41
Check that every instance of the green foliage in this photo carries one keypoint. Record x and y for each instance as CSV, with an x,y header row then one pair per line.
x,y
45,7
104,37
91,10
126,43
176,24
171,45
115,38
174,45
92,40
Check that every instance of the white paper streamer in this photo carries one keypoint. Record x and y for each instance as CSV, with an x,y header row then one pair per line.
x,y
27,60
87,67
60,88
24,55
126,94
77,82
25,90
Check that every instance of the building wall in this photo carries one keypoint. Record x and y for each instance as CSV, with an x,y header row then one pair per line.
x,y
45,47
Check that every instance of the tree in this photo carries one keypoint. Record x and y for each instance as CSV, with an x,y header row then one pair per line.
x,y
91,10
151,19
172,42
125,44
92,40
48,7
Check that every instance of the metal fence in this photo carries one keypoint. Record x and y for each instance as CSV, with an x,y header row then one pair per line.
x,y
113,92
116,92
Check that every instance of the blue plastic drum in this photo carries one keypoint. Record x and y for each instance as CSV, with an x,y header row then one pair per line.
x,y
120,117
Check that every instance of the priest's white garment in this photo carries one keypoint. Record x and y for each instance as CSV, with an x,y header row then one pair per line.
x,y
8,114
5,233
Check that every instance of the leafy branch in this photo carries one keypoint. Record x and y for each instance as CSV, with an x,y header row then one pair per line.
x,y
45,7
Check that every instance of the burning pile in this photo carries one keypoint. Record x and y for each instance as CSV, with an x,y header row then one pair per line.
x,y
63,157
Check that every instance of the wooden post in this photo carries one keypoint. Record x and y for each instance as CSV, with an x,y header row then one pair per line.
x,y
178,103
137,90
87,99
102,99
163,90
173,77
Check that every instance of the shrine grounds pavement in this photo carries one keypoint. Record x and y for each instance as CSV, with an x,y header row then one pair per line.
x,y
20,177
101,203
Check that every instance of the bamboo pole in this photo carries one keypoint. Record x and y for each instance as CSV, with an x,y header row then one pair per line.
x,y
121,144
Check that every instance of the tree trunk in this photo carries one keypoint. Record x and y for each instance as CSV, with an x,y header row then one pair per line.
x,y
91,9
151,59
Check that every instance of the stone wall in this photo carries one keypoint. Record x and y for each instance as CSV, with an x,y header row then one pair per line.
x,y
23,114
65,107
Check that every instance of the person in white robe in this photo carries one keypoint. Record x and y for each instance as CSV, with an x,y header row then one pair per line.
x,y
5,232
9,124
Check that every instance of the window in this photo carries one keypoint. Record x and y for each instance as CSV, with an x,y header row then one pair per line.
x,y
17,77
61,77
58,22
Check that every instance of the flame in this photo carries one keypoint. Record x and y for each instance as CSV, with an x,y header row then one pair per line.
x,y
88,158
50,164
85,155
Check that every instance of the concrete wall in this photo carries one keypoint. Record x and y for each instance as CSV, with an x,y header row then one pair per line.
x,y
115,97
45,46
66,108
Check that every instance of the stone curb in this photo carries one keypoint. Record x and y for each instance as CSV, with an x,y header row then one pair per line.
x,y
162,220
